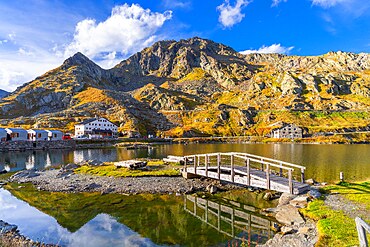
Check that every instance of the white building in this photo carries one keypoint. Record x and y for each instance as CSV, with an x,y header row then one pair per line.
x,y
3,134
37,135
96,128
291,131
55,135
15,134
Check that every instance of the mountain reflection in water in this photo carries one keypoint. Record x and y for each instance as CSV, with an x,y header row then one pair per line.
x,y
103,230
92,219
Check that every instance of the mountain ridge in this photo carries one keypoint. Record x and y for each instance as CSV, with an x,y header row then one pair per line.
x,y
170,85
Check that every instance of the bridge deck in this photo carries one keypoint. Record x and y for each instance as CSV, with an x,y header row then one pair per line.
x,y
273,177
258,178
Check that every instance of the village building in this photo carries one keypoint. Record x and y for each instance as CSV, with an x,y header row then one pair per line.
x,y
37,135
96,128
285,130
55,135
15,134
3,134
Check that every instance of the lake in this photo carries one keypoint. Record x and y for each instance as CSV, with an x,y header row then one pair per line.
x,y
323,162
92,219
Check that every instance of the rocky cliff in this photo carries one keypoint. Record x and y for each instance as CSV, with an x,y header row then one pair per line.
x,y
202,87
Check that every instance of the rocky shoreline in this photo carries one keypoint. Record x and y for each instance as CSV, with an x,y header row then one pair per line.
x,y
10,236
295,230
65,180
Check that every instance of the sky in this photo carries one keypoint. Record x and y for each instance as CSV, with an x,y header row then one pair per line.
x,y
38,35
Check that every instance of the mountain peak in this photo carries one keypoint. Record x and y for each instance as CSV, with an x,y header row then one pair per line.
x,y
78,59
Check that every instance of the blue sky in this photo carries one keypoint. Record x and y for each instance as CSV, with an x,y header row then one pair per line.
x,y
38,35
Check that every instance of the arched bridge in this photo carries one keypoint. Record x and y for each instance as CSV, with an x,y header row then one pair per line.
x,y
247,169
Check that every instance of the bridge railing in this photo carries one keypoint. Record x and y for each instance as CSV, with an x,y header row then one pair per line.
x,y
280,163
362,228
250,161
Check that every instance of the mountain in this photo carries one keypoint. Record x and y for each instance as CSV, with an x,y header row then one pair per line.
x,y
3,93
199,87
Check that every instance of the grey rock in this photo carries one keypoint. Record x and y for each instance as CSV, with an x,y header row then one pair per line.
x,y
286,230
299,201
285,198
268,196
289,215
314,193
70,166
211,189
310,181
24,174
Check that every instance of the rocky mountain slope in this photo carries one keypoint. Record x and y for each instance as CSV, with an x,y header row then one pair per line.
x,y
199,87
3,93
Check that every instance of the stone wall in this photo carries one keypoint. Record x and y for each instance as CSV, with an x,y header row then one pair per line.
x,y
36,145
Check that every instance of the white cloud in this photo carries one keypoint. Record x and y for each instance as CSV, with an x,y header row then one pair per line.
x,y
328,3
277,2
16,71
231,15
176,3
274,48
23,51
127,30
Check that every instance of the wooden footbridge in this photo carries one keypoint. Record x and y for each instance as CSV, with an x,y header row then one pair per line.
x,y
247,169
233,219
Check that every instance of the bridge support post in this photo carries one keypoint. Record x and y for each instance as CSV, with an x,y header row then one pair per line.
x,y
195,164
290,181
281,170
219,166
232,168
268,182
248,171
261,164
206,163
185,164
302,175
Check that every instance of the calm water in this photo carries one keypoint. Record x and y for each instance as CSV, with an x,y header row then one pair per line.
x,y
323,162
141,220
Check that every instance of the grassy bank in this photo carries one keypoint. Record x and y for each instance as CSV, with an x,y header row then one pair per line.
x,y
336,228
154,168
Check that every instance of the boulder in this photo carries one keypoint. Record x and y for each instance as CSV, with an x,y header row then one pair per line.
x,y
314,193
70,166
285,198
268,196
3,171
289,215
131,164
304,230
310,181
286,230
25,174
211,189
94,163
299,202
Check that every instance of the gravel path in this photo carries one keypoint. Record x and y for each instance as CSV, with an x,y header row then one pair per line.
x,y
352,209
51,180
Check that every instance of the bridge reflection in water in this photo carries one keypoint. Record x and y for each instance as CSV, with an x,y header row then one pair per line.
x,y
238,221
